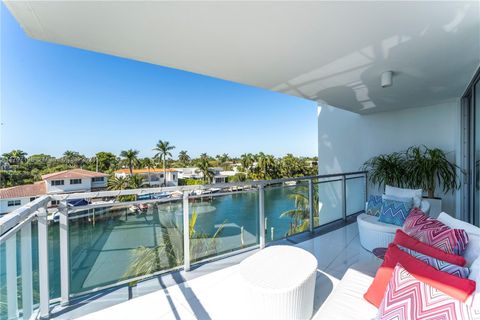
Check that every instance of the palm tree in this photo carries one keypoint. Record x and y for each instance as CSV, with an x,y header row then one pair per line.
x,y
204,168
130,156
183,157
247,161
15,157
118,183
135,181
148,164
163,149
301,214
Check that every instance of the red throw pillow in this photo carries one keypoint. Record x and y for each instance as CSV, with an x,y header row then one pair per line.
x,y
404,240
455,287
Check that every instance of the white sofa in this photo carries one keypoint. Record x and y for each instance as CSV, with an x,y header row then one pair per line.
x,y
376,234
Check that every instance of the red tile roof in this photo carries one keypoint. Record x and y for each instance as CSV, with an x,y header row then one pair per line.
x,y
74,173
137,171
26,190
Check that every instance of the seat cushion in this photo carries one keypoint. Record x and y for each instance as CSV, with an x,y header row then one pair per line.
x,y
416,194
348,292
376,225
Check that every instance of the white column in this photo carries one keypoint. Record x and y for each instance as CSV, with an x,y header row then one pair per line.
x,y
11,260
64,255
186,232
43,263
27,280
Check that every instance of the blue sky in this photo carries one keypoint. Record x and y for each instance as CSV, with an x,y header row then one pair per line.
x,y
56,98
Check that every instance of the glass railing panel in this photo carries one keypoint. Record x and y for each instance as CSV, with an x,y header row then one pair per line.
x,y
329,200
355,194
286,210
222,223
112,244
3,282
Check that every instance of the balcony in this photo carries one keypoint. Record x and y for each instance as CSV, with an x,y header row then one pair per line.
x,y
74,260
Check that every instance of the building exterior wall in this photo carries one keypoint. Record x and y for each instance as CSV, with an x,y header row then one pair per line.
x,y
86,185
346,140
4,208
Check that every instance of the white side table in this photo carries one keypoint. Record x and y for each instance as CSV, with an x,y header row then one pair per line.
x,y
279,283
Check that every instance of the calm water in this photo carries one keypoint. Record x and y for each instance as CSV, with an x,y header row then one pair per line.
x,y
102,249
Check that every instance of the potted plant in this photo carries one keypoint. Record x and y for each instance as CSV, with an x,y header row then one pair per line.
x,y
386,169
428,167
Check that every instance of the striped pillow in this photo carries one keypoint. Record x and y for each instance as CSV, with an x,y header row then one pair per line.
x,y
440,265
435,233
408,298
374,205
395,212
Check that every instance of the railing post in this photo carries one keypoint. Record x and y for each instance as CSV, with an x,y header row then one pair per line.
x,y
43,276
310,204
11,259
64,255
366,187
261,213
186,232
27,280
344,198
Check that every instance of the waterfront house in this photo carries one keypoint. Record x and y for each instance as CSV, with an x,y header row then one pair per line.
x,y
385,76
154,177
68,181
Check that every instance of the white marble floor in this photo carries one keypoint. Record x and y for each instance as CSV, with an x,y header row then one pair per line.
x,y
216,295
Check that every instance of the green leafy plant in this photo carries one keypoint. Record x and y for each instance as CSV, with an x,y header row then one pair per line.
x,y
416,167
427,167
387,169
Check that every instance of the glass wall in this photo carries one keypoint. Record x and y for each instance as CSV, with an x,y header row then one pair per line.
x,y
111,244
222,223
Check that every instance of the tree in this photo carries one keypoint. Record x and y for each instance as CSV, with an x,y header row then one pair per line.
x,y
15,157
204,167
135,181
247,161
130,156
107,161
223,160
73,159
118,183
163,149
183,158
148,164
301,214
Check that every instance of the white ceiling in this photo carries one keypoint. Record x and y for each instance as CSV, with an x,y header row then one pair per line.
x,y
326,51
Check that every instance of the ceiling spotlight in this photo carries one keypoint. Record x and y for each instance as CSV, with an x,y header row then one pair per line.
x,y
386,79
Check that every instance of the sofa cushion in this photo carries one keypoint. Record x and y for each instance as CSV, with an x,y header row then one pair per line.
x,y
435,233
403,239
450,268
456,287
395,212
408,298
472,252
374,205
416,194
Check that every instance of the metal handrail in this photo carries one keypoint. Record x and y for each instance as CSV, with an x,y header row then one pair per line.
x,y
20,220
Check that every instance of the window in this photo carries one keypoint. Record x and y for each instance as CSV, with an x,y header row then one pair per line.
x,y
54,202
57,182
14,203
174,177
161,175
32,198
75,181
98,179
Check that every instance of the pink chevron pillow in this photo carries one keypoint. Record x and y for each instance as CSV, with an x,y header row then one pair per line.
x,y
408,298
435,233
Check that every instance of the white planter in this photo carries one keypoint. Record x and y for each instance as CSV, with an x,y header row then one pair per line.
x,y
435,206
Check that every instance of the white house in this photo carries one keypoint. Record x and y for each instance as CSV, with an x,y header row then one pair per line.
x,y
68,181
219,175
153,177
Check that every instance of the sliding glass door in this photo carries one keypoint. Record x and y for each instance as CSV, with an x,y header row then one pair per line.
x,y
471,152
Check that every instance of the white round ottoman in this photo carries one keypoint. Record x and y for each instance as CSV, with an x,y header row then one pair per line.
x,y
279,283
